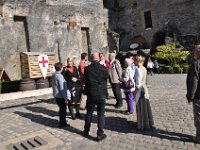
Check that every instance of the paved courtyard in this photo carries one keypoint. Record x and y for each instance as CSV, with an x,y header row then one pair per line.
x,y
173,120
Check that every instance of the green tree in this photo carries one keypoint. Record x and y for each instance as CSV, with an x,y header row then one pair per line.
x,y
170,53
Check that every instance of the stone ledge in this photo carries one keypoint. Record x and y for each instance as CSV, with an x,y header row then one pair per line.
x,y
24,94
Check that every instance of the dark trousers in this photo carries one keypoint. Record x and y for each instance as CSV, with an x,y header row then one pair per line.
x,y
157,70
117,92
74,108
150,71
196,108
74,104
90,106
107,94
62,110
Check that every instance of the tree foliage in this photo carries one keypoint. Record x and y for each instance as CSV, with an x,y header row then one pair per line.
x,y
170,53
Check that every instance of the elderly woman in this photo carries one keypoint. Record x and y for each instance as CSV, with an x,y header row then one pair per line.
x,y
71,75
143,107
128,84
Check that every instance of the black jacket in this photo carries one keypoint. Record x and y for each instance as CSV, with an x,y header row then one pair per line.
x,y
68,77
96,77
193,81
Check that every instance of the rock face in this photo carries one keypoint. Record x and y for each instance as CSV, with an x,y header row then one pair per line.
x,y
163,18
66,27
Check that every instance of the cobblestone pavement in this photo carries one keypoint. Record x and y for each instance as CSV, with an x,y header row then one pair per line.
x,y
172,114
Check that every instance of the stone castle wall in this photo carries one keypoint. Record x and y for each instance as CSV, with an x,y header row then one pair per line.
x,y
50,26
168,16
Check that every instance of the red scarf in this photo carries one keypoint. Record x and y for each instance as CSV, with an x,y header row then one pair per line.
x,y
70,69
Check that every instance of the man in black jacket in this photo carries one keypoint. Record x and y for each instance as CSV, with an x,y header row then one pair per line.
x,y
96,77
193,90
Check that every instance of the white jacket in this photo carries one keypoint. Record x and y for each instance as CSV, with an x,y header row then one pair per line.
x,y
128,74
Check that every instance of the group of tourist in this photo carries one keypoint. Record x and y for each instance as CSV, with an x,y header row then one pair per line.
x,y
73,83
69,83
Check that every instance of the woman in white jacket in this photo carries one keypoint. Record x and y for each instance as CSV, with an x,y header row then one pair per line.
x,y
128,85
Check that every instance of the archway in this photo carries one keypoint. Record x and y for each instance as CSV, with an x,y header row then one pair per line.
x,y
141,41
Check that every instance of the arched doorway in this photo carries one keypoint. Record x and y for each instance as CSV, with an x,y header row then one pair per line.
x,y
141,41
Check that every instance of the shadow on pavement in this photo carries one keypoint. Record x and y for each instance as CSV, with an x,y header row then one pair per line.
x,y
53,123
43,110
117,124
115,110
122,125
49,101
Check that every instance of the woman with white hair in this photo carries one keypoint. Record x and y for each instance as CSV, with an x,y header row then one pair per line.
x,y
128,84
143,107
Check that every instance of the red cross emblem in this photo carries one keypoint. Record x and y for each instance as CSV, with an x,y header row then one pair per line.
x,y
43,62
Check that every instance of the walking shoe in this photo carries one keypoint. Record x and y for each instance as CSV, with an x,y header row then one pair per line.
x,y
82,108
73,116
85,133
153,127
128,113
102,137
117,106
64,125
107,97
79,116
196,140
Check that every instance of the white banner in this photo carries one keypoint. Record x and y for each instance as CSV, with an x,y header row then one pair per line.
x,y
43,62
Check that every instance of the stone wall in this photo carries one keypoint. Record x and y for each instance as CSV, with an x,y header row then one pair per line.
x,y
50,26
169,17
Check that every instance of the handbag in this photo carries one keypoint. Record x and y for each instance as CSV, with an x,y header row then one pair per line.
x,y
127,85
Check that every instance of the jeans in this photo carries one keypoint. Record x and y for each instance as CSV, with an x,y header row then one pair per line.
x,y
90,106
150,71
62,110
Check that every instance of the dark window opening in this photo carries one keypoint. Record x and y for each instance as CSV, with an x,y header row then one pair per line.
x,y
58,52
135,4
22,28
86,44
111,4
116,4
105,3
148,19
